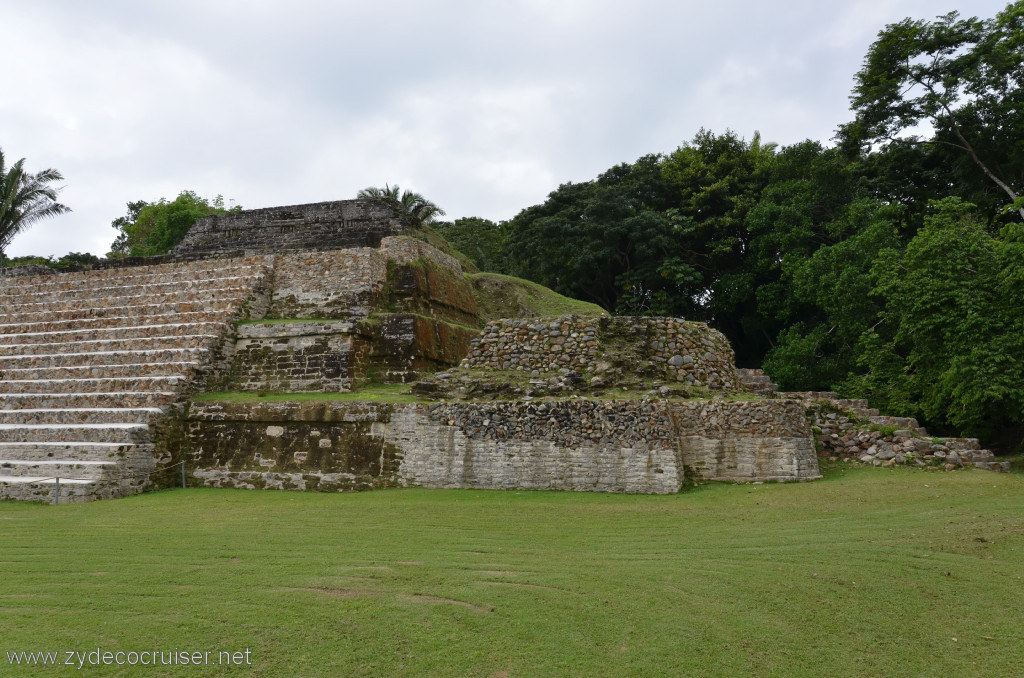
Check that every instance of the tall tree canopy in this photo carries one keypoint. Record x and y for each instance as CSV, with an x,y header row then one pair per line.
x,y
25,198
964,78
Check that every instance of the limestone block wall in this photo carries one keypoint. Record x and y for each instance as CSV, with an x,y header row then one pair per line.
x,y
317,226
355,282
303,446
614,446
332,284
405,344
301,356
335,355
746,441
687,352
427,289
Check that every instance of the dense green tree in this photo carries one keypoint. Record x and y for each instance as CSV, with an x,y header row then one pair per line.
x,y
611,241
414,207
829,299
25,198
153,228
664,235
717,180
482,240
950,343
964,78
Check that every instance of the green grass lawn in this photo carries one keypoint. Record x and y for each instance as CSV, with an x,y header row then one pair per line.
x,y
866,573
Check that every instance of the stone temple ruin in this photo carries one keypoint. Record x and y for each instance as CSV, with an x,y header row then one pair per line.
x,y
100,371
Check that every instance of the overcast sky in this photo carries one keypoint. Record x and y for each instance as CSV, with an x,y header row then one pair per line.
x,y
482,106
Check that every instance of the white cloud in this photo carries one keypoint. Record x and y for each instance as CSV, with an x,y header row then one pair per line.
x,y
484,107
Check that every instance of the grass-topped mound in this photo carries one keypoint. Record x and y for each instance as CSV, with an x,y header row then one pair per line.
x,y
503,296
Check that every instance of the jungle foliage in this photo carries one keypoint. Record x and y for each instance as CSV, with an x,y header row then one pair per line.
x,y
153,228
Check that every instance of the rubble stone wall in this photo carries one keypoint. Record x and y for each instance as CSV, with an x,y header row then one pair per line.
x,y
688,352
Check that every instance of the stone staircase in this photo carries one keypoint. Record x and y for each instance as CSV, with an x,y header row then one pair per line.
x,y
756,381
856,437
91,361
851,431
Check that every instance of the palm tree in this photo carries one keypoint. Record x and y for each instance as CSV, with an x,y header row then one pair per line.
x,y
25,199
413,206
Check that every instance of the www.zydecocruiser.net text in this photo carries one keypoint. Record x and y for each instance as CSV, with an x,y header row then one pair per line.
x,y
100,657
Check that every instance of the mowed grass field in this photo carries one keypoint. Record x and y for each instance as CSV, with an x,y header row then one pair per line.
x,y
866,573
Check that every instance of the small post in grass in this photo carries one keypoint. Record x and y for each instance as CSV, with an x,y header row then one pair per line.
x,y
183,474
56,491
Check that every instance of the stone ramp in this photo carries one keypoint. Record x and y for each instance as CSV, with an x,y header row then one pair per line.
x,y
90,362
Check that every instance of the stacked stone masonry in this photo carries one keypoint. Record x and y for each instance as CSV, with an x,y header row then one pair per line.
x,y
91,362
651,446
296,357
319,226
422,287
686,352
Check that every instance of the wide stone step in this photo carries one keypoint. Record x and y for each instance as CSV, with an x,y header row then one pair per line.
x,y
166,369
96,358
64,337
908,423
131,399
86,433
72,490
110,322
103,345
961,443
167,382
76,451
223,304
81,415
61,468
997,466
139,275
124,289
979,456
810,395
25,306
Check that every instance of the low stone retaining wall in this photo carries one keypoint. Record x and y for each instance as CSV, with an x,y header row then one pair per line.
x,y
648,446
